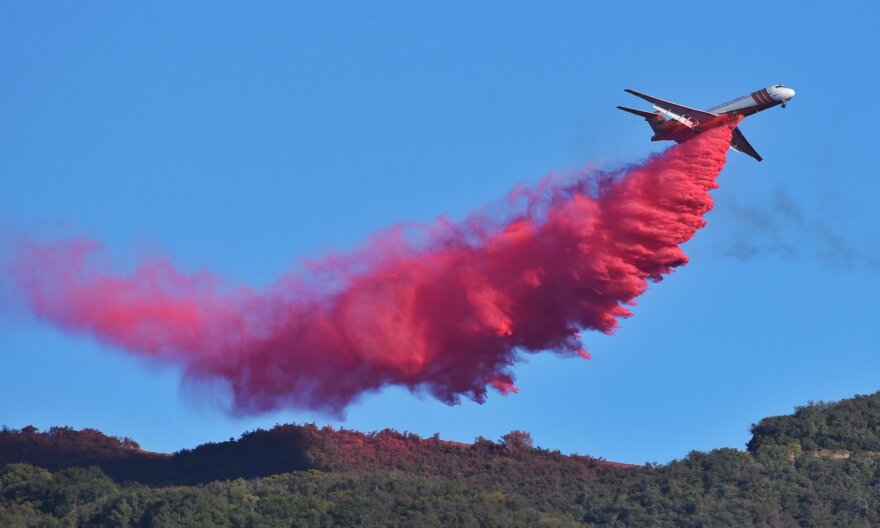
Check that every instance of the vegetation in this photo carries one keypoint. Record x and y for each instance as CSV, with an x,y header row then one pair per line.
x,y
309,476
287,448
852,424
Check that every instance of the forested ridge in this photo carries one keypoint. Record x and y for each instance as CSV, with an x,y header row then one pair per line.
x,y
302,475
852,425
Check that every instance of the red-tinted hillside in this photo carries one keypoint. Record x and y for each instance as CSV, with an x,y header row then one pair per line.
x,y
287,448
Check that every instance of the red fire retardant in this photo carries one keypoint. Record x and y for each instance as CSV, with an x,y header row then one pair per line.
x,y
445,308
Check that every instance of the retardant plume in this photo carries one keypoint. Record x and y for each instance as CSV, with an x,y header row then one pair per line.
x,y
445,308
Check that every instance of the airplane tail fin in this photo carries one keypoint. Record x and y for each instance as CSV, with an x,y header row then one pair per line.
x,y
653,118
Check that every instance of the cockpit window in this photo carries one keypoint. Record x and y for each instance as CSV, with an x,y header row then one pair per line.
x,y
779,86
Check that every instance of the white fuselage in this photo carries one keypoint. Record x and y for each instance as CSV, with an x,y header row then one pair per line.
x,y
767,97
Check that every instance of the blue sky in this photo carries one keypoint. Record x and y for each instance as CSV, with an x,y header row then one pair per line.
x,y
244,139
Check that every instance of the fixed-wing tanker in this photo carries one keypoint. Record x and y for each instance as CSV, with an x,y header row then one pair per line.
x,y
685,123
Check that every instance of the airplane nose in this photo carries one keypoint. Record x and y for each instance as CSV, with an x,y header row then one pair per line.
x,y
780,93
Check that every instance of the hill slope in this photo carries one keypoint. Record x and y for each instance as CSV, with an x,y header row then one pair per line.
x,y
851,425
344,478
283,449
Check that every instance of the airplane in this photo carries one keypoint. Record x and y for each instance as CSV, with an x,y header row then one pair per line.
x,y
685,123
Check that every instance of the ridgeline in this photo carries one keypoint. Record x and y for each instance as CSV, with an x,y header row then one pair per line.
x,y
817,467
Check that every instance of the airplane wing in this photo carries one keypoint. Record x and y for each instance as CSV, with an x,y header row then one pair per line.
x,y
684,114
738,142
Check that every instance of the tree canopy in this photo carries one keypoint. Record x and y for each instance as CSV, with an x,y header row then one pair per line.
x,y
302,475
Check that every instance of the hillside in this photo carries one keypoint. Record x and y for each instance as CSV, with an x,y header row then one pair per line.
x,y
301,475
283,449
848,425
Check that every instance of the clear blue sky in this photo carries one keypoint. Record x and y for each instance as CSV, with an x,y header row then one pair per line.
x,y
243,139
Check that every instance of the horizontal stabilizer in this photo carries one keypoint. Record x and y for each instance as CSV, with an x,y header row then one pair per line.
x,y
642,113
